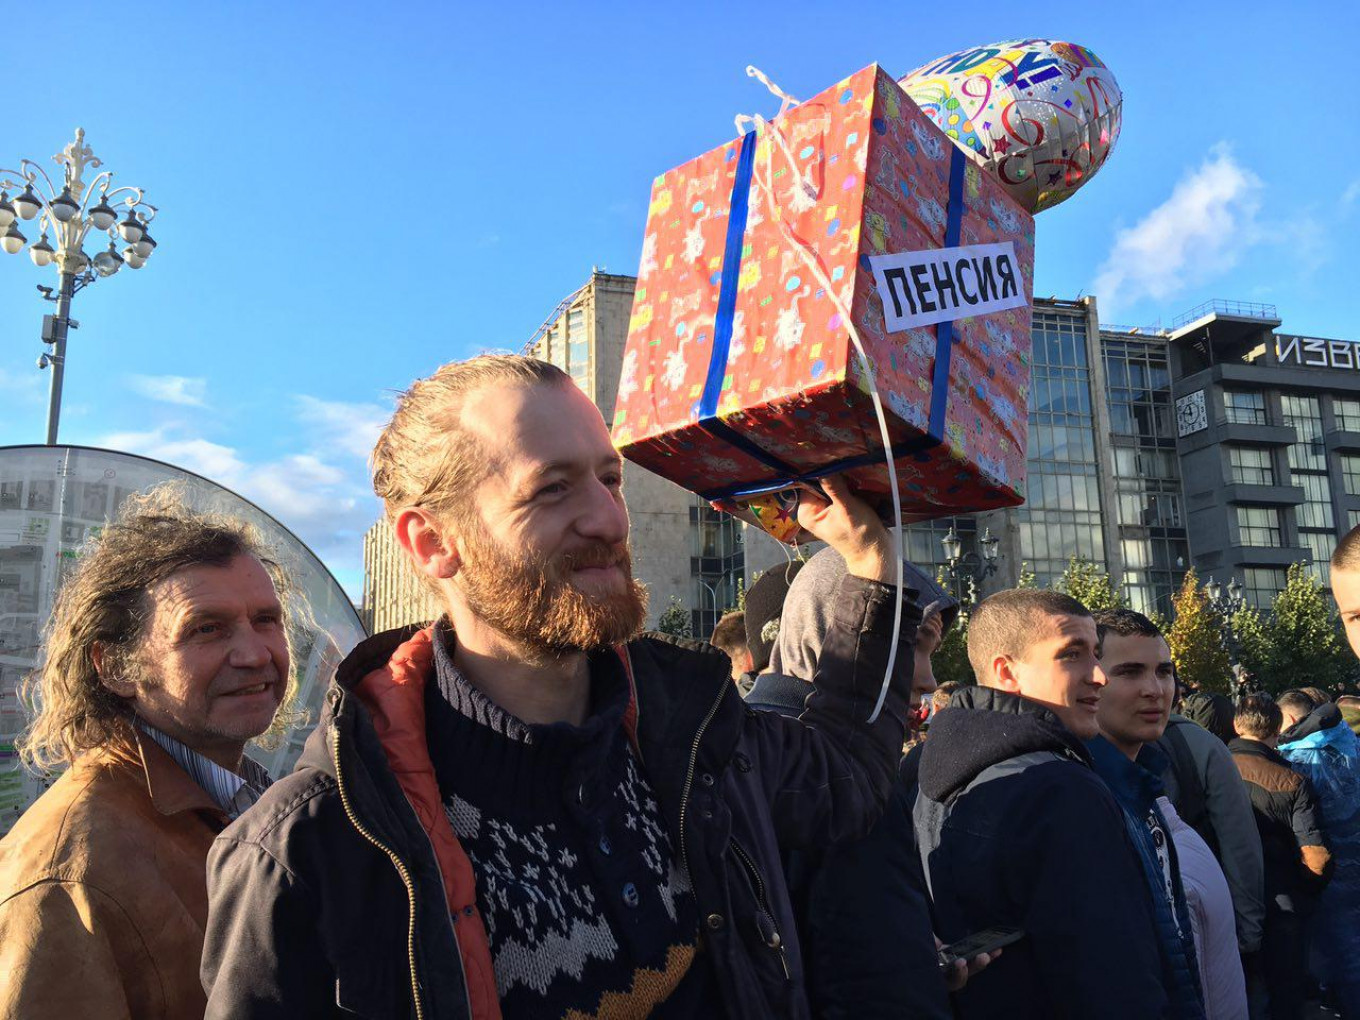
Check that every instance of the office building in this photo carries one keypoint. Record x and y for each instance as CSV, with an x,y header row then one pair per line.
x,y
1217,443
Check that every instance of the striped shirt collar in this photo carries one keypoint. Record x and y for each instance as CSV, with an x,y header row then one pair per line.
x,y
233,792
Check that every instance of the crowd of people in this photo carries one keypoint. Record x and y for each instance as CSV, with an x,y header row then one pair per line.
x,y
527,808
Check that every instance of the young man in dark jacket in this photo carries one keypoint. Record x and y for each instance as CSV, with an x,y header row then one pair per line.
x,y
525,811
1297,861
862,911
1017,831
1140,683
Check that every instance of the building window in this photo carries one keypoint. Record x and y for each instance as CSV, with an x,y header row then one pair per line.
x,y
578,348
1320,545
1347,414
1350,474
1304,413
1259,526
1262,585
1251,466
1316,509
717,562
1245,407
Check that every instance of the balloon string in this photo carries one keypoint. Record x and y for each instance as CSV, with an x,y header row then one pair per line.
x,y
809,193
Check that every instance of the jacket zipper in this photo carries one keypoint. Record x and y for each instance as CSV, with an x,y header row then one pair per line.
x,y
689,776
765,925
402,871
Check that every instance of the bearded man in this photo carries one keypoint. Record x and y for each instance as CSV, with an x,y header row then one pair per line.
x,y
524,810
167,651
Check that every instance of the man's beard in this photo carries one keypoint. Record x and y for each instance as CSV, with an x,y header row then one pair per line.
x,y
533,601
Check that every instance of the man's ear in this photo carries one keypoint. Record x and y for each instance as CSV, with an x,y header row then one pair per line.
x,y
1006,677
120,686
433,551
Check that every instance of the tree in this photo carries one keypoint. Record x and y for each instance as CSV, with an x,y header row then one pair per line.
x,y
950,661
1028,579
1299,643
1088,583
1196,639
675,620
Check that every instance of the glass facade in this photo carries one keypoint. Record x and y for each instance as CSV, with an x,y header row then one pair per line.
x,y
55,499
1308,470
1150,517
716,565
1061,517
1350,474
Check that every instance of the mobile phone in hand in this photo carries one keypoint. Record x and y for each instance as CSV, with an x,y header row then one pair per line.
x,y
986,941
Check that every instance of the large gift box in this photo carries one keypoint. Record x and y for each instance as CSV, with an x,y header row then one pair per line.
x,y
740,376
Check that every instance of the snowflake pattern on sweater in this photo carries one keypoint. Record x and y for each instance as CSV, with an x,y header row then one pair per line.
x,y
540,900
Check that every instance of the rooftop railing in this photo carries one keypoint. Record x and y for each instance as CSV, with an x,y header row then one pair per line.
x,y
1218,306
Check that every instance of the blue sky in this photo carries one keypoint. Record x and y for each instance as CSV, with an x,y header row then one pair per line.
x,y
353,195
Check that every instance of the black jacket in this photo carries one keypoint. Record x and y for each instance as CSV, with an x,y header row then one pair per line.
x,y
1016,830
310,918
1296,856
862,911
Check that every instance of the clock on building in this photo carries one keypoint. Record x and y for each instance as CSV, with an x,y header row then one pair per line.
x,y
1191,414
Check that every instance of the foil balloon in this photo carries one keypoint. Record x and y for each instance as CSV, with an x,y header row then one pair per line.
x,y
1042,116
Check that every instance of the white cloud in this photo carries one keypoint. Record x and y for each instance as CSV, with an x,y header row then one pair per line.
x,y
1199,232
171,389
350,428
321,495
1351,195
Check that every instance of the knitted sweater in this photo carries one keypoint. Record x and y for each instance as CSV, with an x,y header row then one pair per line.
x,y
587,909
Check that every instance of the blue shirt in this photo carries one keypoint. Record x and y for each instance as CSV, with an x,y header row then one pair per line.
x,y
233,792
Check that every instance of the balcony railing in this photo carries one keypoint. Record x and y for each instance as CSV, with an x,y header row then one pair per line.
x,y
1218,306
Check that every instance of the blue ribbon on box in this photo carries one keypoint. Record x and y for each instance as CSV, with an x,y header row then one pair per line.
x,y
722,341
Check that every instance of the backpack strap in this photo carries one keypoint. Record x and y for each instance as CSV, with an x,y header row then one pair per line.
x,y
1192,801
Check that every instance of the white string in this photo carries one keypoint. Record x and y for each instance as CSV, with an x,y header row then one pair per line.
x,y
804,196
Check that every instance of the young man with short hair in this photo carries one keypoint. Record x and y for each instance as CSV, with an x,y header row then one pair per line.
x,y
1016,830
729,635
526,810
1140,684
1297,861
166,653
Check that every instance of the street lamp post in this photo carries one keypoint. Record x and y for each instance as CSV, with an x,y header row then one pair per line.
x,y
71,213
969,564
1227,603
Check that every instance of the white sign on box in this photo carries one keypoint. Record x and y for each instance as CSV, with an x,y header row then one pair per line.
x,y
920,288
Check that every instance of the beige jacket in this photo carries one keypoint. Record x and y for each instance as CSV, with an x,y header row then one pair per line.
x,y
103,891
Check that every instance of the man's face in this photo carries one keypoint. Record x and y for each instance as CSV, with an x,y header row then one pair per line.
x,y
1346,591
1140,683
544,550
213,666
1059,670
928,637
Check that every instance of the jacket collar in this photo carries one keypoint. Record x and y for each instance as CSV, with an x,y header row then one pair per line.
x,y
1256,749
170,788
779,693
1134,783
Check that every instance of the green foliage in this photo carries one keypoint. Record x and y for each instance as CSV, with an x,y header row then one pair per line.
x,y
950,661
1088,583
675,620
741,597
1196,639
1028,579
1298,644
